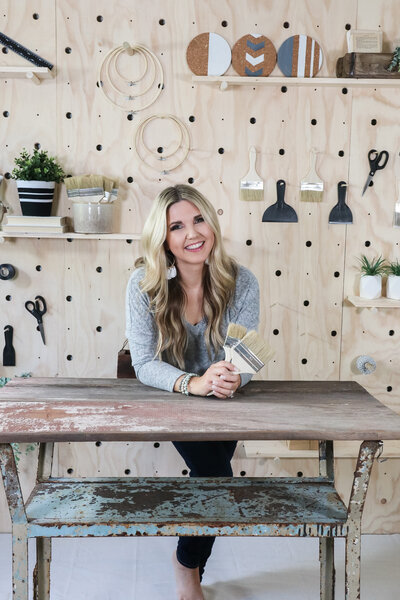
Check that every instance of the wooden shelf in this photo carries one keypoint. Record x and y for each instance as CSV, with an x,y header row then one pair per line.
x,y
376,303
35,74
225,81
72,235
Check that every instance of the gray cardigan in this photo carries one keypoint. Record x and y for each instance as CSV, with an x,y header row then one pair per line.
x,y
142,334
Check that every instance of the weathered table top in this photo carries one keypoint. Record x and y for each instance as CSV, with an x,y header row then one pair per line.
x,y
69,409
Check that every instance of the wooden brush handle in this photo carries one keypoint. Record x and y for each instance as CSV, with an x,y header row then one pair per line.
x,y
252,161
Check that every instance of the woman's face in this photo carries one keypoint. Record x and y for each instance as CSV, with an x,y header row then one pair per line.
x,y
189,238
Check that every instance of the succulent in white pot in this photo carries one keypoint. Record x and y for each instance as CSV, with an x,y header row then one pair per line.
x,y
371,277
393,281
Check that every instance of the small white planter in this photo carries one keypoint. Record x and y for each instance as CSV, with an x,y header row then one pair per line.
x,y
370,286
393,287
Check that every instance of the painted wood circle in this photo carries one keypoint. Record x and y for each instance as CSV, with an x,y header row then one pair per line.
x,y
208,54
253,55
300,56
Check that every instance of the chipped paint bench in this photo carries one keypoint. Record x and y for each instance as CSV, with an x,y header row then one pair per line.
x,y
55,410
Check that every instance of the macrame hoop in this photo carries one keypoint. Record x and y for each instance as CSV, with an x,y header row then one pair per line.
x,y
184,143
110,65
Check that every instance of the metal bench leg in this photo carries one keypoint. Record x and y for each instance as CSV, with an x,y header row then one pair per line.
x,y
327,568
41,578
19,522
326,544
354,515
20,562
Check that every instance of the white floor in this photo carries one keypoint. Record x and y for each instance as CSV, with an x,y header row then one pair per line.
x,y
239,569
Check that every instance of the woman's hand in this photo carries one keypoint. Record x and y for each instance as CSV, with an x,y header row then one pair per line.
x,y
221,379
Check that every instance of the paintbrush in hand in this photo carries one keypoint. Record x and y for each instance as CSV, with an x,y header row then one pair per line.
x,y
234,334
251,354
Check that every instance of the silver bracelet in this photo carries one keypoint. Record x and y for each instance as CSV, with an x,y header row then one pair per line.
x,y
183,388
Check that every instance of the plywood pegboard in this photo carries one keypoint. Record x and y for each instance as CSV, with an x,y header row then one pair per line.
x,y
305,270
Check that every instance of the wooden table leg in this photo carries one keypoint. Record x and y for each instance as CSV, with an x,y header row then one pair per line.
x,y
354,515
326,545
19,522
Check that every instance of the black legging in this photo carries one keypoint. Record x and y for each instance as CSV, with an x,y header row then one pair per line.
x,y
204,459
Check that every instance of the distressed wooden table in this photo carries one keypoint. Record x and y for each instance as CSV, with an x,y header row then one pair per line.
x,y
55,410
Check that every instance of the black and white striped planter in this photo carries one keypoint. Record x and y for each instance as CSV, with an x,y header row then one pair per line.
x,y
36,197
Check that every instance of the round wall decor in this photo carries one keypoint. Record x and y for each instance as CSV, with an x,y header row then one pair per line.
x,y
208,54
253,55
300,56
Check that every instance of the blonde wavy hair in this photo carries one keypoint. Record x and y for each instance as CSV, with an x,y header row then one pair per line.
x,y
167,297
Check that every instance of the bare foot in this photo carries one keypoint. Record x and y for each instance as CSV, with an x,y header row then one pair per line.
x,y
187,581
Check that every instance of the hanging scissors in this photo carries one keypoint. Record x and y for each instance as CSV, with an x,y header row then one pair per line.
x,y
375,164
38,309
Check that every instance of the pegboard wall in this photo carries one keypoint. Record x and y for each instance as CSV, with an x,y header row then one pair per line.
x,y
306,270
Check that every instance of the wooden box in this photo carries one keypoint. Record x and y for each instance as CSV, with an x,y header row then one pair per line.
x,y
369,65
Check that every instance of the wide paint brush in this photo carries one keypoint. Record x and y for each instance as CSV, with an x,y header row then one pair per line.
x,y
252,186
251,354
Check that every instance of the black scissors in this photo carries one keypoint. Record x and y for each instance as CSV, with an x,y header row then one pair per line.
x,y
375,164
37,309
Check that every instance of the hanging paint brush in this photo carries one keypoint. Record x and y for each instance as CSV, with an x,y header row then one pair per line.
x,y
396,215
311,187
252,353
252,186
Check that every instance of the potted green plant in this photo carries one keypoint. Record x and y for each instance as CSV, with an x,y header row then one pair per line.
x,y
36,175
371,277
393,281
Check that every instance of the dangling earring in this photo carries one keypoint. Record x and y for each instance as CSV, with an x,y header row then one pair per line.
x,y
171,271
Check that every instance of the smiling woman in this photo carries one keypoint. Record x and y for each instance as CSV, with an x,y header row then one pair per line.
x,y
181,297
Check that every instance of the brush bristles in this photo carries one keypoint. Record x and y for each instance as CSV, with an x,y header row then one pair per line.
x,y
258,346
236,331
311,196
249,195
396,216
